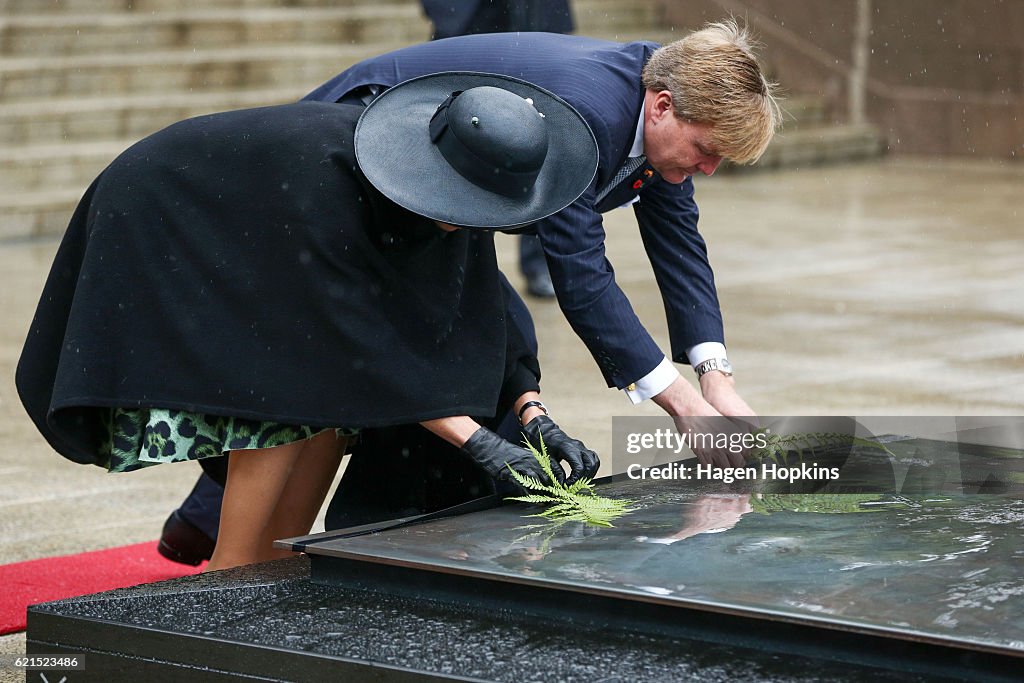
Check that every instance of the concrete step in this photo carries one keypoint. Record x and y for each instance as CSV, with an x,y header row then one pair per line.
x,y
586,11
617,20
37,167
26,121
171,85
27,215
61,7
204,28
803,111
201,27
206,69
819,145
154,72
129,117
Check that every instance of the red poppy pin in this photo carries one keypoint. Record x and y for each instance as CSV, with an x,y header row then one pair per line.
x,y
638,184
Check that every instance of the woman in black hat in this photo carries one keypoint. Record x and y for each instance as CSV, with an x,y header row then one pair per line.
x,y
275,279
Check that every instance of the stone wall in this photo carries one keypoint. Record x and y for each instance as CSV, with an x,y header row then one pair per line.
x,y
943,77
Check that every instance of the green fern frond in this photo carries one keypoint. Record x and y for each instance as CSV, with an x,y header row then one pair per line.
x,y
574,503
542,457
582,484
532,483
560,509
534,498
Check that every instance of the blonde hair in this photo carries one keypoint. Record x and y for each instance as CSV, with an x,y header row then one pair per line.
x,y
715,78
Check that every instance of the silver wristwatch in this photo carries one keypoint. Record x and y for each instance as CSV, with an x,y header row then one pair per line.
x,y
720,364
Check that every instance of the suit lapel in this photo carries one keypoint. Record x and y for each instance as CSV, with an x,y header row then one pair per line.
x,y
629,188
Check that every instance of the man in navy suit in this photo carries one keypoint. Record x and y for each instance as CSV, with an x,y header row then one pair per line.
x,y
660,116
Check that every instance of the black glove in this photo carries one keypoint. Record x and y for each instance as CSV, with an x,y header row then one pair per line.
x,y
492,453
583,462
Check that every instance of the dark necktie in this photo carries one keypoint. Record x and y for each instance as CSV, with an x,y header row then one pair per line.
x,y
628,168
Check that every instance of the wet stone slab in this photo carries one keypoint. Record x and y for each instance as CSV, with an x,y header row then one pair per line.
x,y
271,621
919,582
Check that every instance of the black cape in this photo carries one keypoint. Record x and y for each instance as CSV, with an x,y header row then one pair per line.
x,y
239,264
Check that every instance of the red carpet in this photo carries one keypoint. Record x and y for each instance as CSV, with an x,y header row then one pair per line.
x,y
52,578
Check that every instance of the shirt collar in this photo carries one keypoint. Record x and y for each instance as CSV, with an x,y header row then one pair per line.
x,y
638,140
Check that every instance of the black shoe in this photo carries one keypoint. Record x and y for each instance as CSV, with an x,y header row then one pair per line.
x,y
540,286
183,542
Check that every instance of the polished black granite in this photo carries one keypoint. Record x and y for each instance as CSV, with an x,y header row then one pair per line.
x,y
270,621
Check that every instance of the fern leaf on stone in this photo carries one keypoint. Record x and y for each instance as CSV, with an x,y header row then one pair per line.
x,y
576,502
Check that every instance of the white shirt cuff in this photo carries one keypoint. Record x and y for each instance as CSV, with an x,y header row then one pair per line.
x,y
705,351
653,383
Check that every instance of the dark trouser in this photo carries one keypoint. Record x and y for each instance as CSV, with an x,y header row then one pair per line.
x,y
531,256
202,507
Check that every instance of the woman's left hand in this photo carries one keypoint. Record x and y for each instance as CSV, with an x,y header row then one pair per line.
x,y
583,462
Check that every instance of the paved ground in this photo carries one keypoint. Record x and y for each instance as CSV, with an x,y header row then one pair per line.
x,y
883,288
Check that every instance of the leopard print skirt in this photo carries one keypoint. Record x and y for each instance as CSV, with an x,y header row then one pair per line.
x,y
150,436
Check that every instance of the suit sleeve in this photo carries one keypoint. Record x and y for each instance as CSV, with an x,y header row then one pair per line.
x,y
592,302
667,215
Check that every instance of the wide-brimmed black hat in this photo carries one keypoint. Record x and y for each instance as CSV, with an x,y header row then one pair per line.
x,y
475,149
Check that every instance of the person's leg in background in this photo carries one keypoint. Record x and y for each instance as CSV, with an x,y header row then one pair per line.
x,y
190,533
534,268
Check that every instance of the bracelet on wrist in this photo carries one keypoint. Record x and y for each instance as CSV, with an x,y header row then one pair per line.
x,y
531,404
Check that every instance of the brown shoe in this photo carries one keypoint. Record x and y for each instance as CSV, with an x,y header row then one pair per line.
x,y
183,542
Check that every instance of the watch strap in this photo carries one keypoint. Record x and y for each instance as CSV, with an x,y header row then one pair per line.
x,y
531,404
720,364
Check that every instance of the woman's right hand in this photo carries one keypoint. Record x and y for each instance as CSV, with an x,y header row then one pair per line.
x,y
495,455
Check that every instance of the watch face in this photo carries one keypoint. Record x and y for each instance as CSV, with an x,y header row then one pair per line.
x,y
724,365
